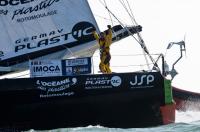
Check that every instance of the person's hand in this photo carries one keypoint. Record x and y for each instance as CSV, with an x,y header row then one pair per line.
x,y
109,26
139,28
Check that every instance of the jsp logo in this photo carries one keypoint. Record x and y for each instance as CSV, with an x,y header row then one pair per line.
x,y
147,79
116,81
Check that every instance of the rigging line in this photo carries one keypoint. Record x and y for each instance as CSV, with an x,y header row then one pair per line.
x,y
141,42
134,21
138,34
129,9
109,13
122,24
133,18
118,20
67,50
124,5
139,65
107,19
131,12
110,18
129,55
102,3
127,65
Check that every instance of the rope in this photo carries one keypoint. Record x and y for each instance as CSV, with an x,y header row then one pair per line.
x,y
140,65
134,23
109,14
131,12
118,21
140,41
129,55
123,4
107,19
140,37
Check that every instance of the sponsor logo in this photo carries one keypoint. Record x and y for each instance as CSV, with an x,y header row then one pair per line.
x,y
142,81
116,81
3,12
52,68
39,36
37,16
56,88
56,83
41,6
14,2
81,32
57,95
103,82
77,62
80,70
26,12
45,68
78,66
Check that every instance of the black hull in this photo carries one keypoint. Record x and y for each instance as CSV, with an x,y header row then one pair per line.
x,y
118,107
110,111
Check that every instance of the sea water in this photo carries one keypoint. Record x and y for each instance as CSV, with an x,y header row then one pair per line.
x,y
188,121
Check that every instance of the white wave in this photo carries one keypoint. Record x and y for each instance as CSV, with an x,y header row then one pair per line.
x,y
187,117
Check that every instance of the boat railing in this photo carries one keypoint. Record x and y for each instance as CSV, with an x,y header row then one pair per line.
x,y
119,64
131,63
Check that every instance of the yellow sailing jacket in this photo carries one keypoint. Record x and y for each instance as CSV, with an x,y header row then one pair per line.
x,y
104,44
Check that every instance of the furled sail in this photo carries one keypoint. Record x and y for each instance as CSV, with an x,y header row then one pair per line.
x,y
35,28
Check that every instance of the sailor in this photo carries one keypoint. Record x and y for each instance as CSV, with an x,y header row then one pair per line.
x,y
104,39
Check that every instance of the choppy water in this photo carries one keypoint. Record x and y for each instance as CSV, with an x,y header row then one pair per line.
x,y
185,122
177,127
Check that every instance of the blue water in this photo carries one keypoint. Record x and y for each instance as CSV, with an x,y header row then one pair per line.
x,y
185,122
176,127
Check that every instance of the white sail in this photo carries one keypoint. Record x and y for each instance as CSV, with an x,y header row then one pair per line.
x,y
35,28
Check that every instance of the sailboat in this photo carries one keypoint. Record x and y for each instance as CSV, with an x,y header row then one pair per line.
x,y
53,38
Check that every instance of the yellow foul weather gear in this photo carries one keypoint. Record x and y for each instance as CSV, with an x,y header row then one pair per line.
x,y
104,40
